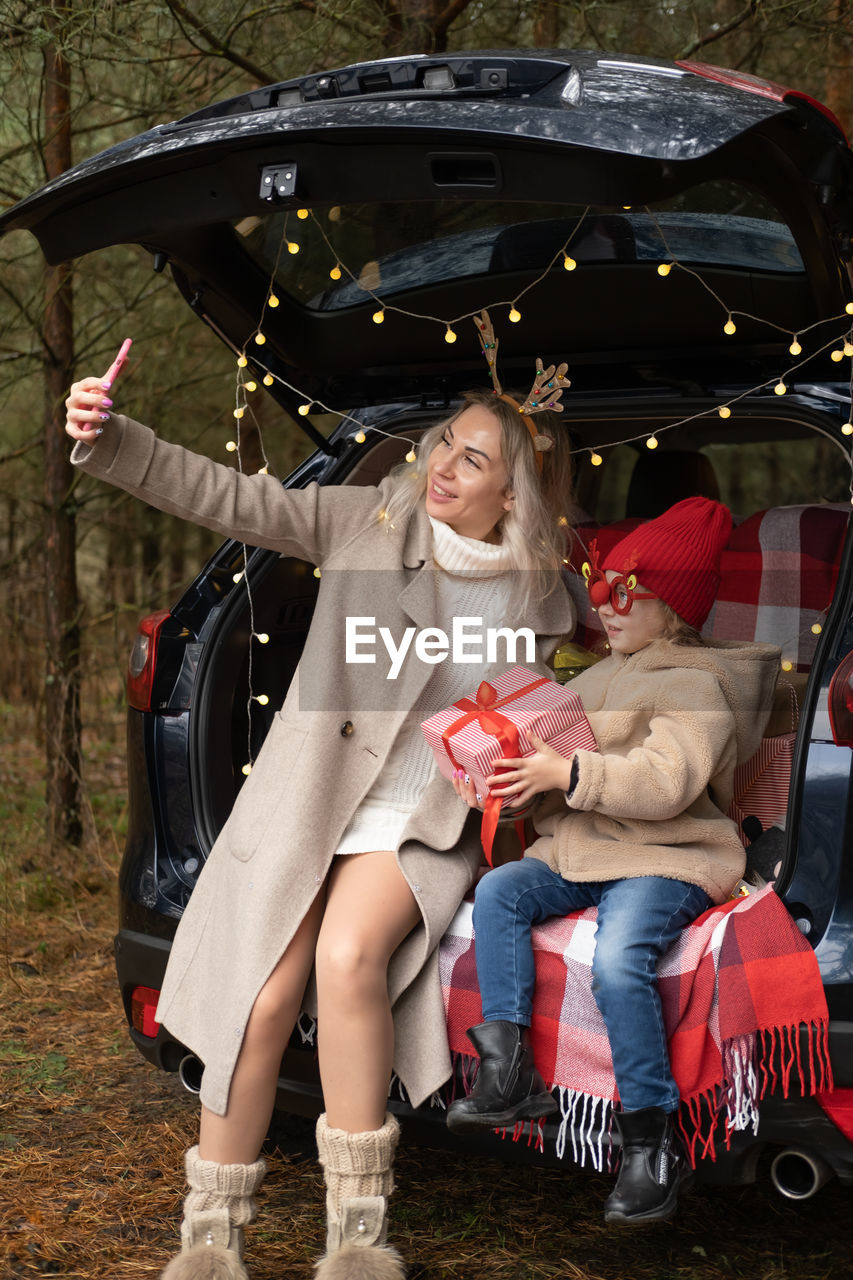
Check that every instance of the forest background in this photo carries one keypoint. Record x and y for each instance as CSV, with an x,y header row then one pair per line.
x,y
79,564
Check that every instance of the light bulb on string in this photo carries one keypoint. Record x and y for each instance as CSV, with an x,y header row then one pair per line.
x,y
847,429
242,362
335,273
304,410
651,442
247,768
359,437
569,263
780,388
724,411
237,577
251,386
664,268
795,348
596,459
449,335
317,573
292,246
272,300
261,698
411,456
378,317
836,355
262,637
302,214
787,664
238,413
848,348
816,628
231,446
268,379
849,308
260,339
730,327
514,315
264,471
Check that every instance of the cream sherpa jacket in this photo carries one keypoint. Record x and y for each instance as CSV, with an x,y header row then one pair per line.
x,y
671,722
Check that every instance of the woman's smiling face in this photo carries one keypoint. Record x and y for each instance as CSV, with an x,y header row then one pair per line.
x,y
467,482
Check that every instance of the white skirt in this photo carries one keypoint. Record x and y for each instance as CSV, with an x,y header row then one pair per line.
x,y
376,824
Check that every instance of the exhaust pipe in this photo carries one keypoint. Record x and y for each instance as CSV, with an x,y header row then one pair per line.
x,y
190,1071
797,1174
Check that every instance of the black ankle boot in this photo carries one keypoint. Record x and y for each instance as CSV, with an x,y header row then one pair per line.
x,y
651,1171
508,1086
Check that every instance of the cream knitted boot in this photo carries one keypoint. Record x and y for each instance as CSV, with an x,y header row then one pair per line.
x,y
359,1172
217,1207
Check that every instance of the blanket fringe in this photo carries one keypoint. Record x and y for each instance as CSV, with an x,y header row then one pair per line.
x,y
754,1066
588,1129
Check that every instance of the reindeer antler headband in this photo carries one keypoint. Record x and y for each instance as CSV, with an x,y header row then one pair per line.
x,y
548,386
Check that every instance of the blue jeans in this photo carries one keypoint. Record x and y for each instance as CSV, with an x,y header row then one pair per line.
x,y
638,919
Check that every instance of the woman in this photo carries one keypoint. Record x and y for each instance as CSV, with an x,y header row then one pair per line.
x,y
345,855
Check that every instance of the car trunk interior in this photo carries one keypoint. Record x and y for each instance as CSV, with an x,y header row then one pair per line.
x,y
769,465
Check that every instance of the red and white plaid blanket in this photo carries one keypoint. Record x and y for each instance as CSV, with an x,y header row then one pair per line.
x,y
736,988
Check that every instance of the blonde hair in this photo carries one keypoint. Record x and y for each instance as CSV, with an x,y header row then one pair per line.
x,y
677,630
534,528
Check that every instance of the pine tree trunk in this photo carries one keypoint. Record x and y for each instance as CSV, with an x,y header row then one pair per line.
x,y
62,631
839,63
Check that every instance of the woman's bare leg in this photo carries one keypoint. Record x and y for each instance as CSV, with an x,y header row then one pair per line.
x,y
236,1137
370,909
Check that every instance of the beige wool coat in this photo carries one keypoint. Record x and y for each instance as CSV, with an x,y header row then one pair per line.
x,y
324,750
671,722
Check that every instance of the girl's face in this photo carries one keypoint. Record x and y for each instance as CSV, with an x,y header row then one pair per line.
x,y
467,478
628,632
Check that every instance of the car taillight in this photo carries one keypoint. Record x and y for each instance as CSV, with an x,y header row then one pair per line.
x,y
841,702
143,1006
142,660
764,88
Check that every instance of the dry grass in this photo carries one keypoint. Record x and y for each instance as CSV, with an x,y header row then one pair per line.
x,y
92,1137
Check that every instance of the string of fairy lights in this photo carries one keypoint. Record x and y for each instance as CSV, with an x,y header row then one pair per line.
x,y
839,346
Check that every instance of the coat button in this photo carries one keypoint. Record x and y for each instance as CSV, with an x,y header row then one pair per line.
x,y
346,729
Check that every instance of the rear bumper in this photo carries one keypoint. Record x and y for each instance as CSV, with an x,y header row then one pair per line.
x,y
141,962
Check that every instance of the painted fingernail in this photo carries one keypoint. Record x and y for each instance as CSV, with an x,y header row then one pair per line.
x,y
105,417
99,431
106,385
105,400
467,779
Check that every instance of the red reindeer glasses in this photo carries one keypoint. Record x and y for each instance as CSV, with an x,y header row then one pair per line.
x,y
621,592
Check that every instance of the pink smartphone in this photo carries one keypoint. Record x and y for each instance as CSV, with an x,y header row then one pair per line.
x,y
117,364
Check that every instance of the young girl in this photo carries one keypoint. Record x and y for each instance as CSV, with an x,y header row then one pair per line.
x,y
345,855
640,832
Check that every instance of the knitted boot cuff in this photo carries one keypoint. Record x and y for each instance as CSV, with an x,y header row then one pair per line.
x,y
358,1164
217,1186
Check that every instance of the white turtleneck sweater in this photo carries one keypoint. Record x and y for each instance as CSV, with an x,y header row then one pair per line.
x,y
473,579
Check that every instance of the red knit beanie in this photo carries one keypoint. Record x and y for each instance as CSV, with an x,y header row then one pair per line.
x,y
677,556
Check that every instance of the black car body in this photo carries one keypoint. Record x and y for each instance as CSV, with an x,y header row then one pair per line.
x,y
673,230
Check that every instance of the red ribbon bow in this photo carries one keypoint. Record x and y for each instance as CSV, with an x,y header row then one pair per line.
x,y
484,709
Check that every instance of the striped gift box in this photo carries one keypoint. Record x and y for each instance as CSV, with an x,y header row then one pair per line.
x,y
521,699
761,784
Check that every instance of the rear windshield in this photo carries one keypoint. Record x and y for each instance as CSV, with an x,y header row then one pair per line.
x,y
334,258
